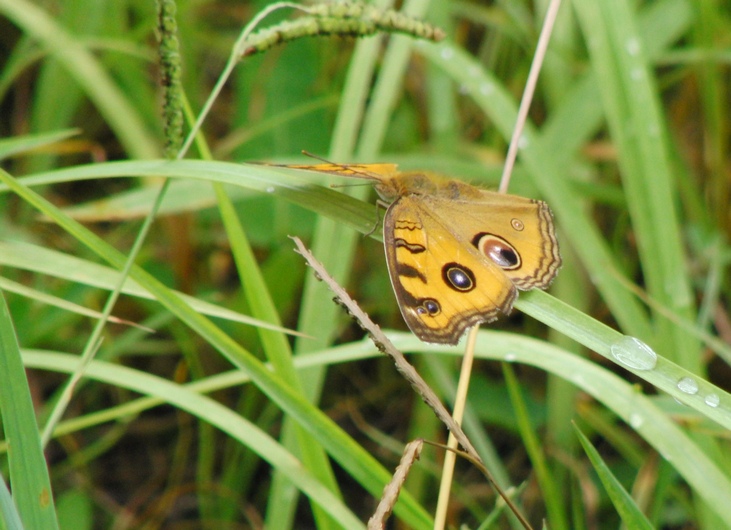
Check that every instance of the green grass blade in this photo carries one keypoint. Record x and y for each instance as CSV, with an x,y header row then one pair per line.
x,y
708,478
9,516
291,185
57,264
387,88
553,501
28,472
630,513
276,346
629,94
220,416
87,72
22,144
706,398
334,245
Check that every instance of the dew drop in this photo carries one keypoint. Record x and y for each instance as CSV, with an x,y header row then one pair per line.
x,y
523,142
486,89
636,74
270,189
447,53
633,353
633,46
712,400
635,420
688,385
510,357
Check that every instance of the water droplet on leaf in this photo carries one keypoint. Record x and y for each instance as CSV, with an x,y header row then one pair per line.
x,y
688,385
712,400
633,353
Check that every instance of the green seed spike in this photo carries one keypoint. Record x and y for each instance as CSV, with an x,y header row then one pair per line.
x,y
344,19
170,74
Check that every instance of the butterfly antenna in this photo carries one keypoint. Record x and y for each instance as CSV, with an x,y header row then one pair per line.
x,y
317,157
350,184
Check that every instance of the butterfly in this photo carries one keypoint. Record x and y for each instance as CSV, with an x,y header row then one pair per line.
x,y
457,254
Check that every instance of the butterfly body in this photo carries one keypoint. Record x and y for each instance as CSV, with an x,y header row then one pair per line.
x,y
457,254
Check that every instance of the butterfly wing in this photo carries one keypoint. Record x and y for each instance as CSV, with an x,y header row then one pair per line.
x,y
443,283
374,172
516,233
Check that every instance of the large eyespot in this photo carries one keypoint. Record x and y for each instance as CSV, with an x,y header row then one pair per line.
x,y
429,306
498,250
458,277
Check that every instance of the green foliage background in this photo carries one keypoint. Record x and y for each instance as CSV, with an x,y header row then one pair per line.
x,y
187,426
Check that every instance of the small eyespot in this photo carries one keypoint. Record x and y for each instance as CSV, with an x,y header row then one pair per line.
x,y
431,306
458,277
517,224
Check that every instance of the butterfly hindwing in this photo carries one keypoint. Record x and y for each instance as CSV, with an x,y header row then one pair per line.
x,y
516,233
442,283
